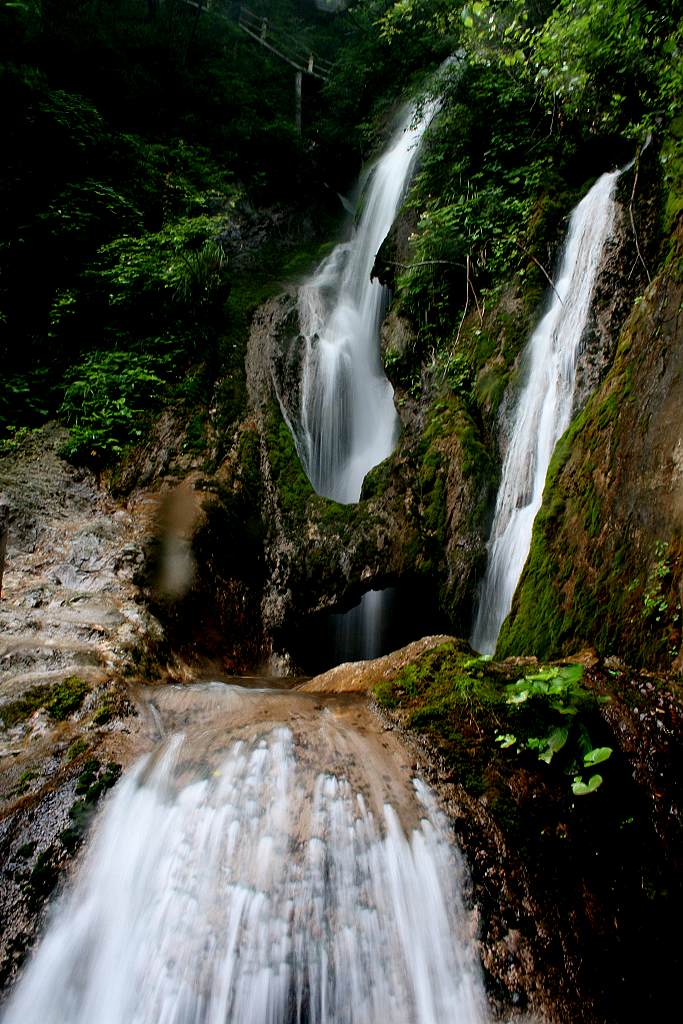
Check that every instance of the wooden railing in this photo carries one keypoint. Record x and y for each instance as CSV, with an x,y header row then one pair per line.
x,y
284,45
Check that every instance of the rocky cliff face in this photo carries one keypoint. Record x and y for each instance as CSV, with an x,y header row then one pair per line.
x,y
272,558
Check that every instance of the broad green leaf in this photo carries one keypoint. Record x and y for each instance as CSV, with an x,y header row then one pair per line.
x,y
554,743
518,698
564,709
506,740
571,673
581,788
596,756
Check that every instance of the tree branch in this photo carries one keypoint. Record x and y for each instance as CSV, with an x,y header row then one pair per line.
x,y
543,270
633,223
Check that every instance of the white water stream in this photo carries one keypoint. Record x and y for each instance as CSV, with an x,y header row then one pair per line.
x,y
257,889
543,409
348,422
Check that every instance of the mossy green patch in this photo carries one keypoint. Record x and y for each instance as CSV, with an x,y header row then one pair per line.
x,y
42,880
377,480
583,581
449,418
474,710
113,702
24,781
78,747
671,156
294,488
66,697
448,694
95,779
60,700
27,850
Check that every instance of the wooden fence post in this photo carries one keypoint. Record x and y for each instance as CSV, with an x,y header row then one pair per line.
x,y
4,530
298,87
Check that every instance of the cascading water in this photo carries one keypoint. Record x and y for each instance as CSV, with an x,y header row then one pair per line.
x,y
543,410
348,422
257,889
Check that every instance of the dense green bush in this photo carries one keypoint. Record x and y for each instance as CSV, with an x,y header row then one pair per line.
x,y
182,264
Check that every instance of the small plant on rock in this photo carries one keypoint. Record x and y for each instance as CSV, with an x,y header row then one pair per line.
x,y
554,699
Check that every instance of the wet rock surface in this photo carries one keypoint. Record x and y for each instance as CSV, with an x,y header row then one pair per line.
x,y
624,271
70,605
74,631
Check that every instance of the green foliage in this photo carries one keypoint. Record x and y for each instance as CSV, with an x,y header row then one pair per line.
x,y
672,165
614,67
543,94
182,263
15,437
127,136
545,713
553,697
430,18
107,400
582,788
24,396
655,596
83,211
374,64
477,194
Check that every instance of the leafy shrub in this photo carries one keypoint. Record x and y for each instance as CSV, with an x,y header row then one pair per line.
x,y
554,699
183,263
475,194
106,402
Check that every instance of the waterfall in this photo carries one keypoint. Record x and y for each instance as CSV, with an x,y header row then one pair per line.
x,y
256,890
544,408
348,422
